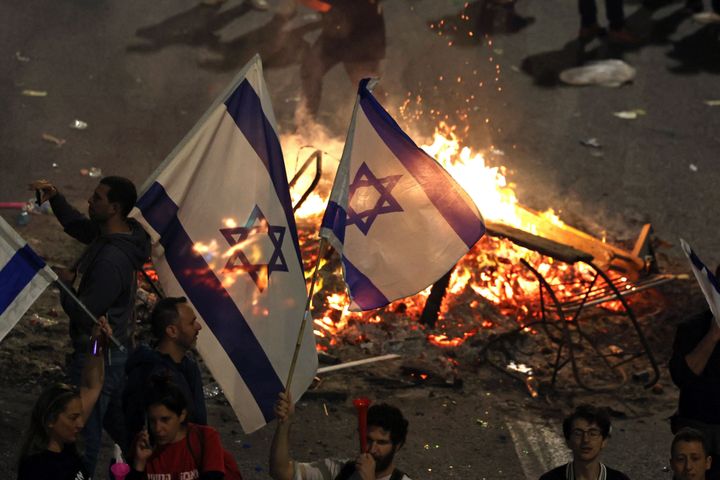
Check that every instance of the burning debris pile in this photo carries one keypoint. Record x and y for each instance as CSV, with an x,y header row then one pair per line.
x,y
493,306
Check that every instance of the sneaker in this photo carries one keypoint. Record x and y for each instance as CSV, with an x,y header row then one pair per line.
x,y
623,37
588,33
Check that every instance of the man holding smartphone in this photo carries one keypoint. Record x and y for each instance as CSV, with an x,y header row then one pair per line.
x,y
106,278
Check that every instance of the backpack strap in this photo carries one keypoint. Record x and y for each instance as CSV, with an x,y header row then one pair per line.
x,y
347,470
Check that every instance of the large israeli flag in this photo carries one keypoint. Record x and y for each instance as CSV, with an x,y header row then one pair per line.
x,y
224,236
705,278
398,218
23,277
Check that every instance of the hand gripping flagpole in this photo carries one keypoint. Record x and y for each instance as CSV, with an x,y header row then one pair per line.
x,y
306,314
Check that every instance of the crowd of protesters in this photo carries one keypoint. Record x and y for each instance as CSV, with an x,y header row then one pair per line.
x,y
160,417
150,399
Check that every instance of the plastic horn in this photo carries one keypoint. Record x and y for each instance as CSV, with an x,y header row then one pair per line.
x,y
119,469
362,404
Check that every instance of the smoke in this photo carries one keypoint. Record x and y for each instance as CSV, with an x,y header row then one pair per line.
x,y
302,146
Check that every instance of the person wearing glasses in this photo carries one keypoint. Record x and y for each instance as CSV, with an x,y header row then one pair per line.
x,y
586,432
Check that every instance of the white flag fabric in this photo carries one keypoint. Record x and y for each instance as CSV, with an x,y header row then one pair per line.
x,y
224,236
23,277
397,217
706,279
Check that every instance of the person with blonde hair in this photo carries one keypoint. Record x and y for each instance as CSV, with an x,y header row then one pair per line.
x,y
49,449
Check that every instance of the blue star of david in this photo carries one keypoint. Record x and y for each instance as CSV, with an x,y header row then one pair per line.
x,y
385,203
259,272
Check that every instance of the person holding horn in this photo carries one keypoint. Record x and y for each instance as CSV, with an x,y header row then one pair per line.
x,y
107,272
386,434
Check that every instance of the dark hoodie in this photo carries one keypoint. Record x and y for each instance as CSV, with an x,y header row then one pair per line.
x,y
142,365
108,267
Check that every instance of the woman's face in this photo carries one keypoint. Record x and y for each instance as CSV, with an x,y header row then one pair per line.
x,y
66,427
165,425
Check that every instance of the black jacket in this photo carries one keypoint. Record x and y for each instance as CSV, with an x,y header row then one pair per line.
x,y
109,268
141,366
699,394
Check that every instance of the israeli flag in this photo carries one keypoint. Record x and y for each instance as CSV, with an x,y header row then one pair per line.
x,y
398,218
220,218
706,279
23,277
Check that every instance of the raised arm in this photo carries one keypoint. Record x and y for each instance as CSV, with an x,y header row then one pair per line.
x,y
281,465
93,374
698,358
692,349
75,223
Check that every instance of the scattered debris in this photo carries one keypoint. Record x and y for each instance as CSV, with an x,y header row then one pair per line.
x,y
591,142
532,386
706,18
606,73
693,167
342,366
630,114
34,93
12,205
37,320
22,219
78,124
21,58
91,172
53,139
519,367
211,390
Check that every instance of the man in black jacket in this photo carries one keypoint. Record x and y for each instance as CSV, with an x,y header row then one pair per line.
x,y
353,33
117,248
695,369
175,326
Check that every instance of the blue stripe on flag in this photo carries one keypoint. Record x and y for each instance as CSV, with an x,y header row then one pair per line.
x,y
365,293
433,179
245,108
334,219
701,266
17,273
211,299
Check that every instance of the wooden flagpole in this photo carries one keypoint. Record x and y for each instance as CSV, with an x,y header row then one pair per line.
x,y
306,313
